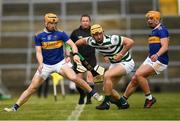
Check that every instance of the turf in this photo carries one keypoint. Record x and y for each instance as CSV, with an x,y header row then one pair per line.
x,y
166,108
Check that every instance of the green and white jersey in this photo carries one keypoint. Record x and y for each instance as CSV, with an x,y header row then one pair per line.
x,y
112,45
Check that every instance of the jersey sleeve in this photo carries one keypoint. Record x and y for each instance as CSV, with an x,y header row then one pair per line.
x,y
37,41
73,36
163,33
65,37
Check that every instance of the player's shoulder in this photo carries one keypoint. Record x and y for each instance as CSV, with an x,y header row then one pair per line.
x,y
115,39
162,28
39,32
90,39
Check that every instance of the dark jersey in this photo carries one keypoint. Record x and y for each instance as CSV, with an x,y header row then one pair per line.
x,y
87,51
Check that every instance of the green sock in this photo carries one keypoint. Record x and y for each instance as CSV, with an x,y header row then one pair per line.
x,y
123,100
107,98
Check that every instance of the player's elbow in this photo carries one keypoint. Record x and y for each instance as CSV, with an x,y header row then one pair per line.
x,y
130,43
166,48
77,43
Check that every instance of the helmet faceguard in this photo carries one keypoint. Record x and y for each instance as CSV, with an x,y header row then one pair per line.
x,y
96,28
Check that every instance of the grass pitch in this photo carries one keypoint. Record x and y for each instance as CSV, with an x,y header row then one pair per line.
x,y
166,108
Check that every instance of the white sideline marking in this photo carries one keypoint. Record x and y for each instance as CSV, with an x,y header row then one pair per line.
x,y
76,113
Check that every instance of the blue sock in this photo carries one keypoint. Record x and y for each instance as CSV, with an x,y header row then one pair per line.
x,y
122,100
92,92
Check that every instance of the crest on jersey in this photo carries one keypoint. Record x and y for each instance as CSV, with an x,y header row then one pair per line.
x,y
55,37
114,40
49,37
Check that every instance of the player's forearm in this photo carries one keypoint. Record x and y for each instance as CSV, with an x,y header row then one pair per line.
x,y
162,50
67,53
81,42
39,58
74,48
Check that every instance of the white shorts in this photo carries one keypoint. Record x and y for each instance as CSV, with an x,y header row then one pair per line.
x,y
48,69
128,66
157,66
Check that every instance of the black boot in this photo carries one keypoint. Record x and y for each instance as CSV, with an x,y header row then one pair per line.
x,y
105,105
123,103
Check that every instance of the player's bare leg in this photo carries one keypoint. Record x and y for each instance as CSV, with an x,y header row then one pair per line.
x,y
142,73
36,82
81,91
133,84
115,94
71,75
120,102
111,77
89,78
140,78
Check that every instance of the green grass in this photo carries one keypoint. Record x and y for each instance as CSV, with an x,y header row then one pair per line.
x,y
166,108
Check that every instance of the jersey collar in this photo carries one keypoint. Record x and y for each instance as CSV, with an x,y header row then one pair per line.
x,y
157,26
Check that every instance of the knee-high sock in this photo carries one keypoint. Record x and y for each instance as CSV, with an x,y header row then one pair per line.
x,y
81,91
92,86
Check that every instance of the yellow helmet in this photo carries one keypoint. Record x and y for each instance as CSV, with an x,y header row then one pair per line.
x,y
154,14
96,28
51,18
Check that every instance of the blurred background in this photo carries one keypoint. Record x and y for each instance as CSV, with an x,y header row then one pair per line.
x,y
21,19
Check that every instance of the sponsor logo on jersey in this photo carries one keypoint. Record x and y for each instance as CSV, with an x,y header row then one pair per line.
x,y
154,39
52,45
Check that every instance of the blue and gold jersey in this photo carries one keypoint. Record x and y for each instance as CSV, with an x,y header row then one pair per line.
x,y
52,45
155,42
